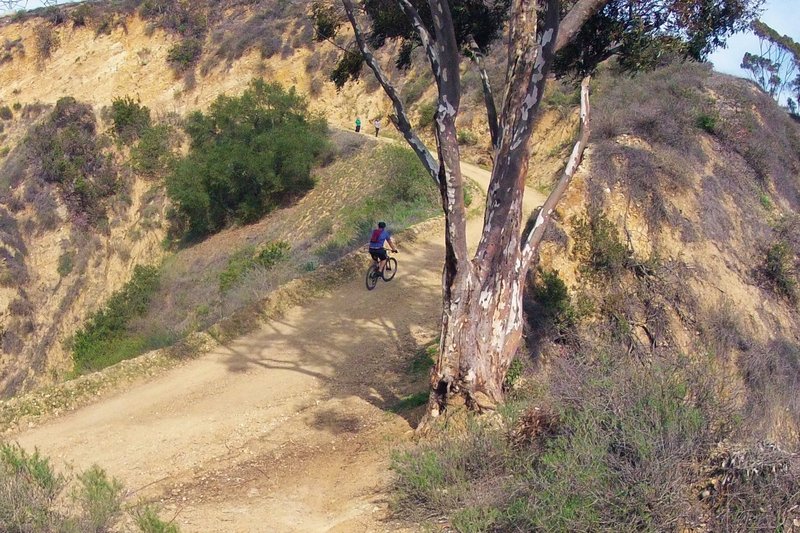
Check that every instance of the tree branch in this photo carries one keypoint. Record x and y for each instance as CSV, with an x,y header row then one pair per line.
x,y
488,96
403,124
575,19
546,213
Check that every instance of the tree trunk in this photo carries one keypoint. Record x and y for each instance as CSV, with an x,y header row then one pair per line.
x,y
481,331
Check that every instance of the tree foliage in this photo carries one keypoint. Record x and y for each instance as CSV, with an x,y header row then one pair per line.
x,y
247,155
776,66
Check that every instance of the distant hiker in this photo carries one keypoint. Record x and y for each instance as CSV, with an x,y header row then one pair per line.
x,y
377,125
358,124
376,240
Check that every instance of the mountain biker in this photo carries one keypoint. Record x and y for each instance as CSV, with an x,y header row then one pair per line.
x,y
376,240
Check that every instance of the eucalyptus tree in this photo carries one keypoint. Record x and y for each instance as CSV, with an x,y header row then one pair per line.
x,y
776,66
482,293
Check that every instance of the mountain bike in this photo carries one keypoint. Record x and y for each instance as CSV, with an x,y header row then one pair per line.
x,y
374,273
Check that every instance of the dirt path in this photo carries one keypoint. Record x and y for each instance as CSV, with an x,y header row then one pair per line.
x,y
286,429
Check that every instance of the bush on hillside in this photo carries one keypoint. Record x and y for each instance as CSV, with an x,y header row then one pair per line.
x,y
153,155
598,246
33,497
81,15
247,155
130,118
247,259
102,341
65,150
6,113
779,269
185,54
47,41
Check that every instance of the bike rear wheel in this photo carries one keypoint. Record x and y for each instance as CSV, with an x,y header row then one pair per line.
x,y
389,269
372,277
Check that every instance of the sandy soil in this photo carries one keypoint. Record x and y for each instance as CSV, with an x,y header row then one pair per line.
x,y
286,429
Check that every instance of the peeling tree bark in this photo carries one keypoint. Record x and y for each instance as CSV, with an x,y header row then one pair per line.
x,y
482,296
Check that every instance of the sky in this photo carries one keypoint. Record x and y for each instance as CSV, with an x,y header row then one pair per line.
x,y
782,15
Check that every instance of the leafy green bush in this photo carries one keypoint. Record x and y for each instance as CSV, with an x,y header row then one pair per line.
x,y
99,498
148,521
66,262
414,89
103,341
779,269
247,259
153,155
32,498
467,138
80,15
29,491
130,118
247,155
427,114
5,113
707,122
597,244
185,54
65,150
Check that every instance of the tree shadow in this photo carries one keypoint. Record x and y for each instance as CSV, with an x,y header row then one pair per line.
x,y
354,342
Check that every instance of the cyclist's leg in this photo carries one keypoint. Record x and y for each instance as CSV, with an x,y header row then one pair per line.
x,y
384,256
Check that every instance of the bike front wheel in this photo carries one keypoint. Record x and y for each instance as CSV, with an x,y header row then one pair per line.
x,y
390,269
372,277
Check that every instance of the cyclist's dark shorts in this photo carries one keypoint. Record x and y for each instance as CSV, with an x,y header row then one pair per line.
x,y
378,254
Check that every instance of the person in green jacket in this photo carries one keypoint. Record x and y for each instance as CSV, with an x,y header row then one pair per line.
x,y
358,124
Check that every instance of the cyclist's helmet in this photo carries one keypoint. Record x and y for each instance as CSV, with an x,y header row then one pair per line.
x,y
381,225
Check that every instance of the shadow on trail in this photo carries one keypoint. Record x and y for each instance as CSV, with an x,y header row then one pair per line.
x,y
354,342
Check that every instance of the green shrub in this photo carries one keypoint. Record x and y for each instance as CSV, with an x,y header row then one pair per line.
x,y
185,54
467,138
4,151
411,401
247,259
707,122
17,106
32,498
103,341
99,498
427,114
148,521
598,245
80,15
65,264
765,201
153,155
414,89
247,155
29,489
779,269
130,118
515,372
5,113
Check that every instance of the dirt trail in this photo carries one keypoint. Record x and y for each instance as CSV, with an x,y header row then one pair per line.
x,y
286,429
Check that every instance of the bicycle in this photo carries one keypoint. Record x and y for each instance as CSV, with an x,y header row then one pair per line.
x,y
374,273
